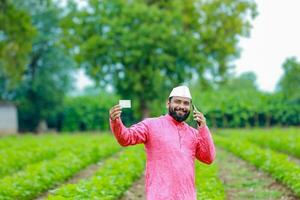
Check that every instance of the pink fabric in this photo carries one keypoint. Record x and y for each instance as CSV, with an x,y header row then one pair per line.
x,y
171,148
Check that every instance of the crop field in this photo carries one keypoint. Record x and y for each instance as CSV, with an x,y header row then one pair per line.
x,y
260,164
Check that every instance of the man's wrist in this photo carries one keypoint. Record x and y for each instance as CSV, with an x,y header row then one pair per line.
x,y
201,125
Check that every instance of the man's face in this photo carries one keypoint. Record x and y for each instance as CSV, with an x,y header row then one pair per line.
x,y
179,108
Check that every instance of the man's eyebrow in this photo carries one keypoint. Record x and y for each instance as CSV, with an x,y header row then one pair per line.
x,y
179,100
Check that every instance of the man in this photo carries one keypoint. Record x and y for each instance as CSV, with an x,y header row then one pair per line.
x,y
171,147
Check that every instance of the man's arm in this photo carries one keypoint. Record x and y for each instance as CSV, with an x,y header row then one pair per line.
x,y
136,134
205,149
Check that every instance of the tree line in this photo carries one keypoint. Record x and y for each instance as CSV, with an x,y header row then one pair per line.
x,y
140,49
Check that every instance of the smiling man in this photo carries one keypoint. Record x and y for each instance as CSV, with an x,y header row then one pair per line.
x,y
171,146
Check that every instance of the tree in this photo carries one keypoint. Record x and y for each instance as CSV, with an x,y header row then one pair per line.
x,y
234,104
218,25
144,48
48,75
289,83
16,34
244,82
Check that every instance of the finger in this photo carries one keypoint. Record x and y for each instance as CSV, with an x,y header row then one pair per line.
x,y
115,115
200,119
199,114
202,122
196,117
115,108
116,112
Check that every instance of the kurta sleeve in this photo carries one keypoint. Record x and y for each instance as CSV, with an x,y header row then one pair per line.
x,y
205,149
136,134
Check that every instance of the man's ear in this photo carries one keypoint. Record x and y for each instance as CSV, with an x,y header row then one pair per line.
x,y
167,104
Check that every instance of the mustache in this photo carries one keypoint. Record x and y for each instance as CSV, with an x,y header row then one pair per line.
x,y
179,117
180,109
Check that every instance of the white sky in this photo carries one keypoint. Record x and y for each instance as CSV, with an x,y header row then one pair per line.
x,y
82,80
274,37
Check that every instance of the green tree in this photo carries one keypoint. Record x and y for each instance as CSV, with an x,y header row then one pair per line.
x,y
48,75
289,83
16,34
218,25
246,81
89,112
145,48
288,98
234,104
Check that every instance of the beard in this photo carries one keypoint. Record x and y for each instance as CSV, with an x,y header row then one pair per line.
x,y
177,116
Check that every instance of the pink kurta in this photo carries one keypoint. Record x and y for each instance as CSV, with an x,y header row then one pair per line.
x,y
171,148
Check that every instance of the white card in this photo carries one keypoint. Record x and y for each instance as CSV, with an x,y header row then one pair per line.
x,y
125,103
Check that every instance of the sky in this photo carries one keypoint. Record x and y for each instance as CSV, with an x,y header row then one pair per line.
x,y
275,36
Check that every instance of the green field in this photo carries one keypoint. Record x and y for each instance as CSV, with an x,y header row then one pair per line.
x,y
251,164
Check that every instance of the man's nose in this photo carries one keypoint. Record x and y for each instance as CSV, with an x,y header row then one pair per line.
x,y
181,106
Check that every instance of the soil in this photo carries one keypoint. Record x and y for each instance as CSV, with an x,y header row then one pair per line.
x,y
83,174
244,181
137,191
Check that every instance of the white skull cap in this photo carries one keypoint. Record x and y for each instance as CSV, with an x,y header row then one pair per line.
x,y
181,91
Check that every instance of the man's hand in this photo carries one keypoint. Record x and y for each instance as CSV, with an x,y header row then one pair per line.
x,y
115,112
199,118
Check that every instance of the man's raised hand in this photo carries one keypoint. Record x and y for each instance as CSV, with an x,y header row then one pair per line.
x,y
115,112
199,118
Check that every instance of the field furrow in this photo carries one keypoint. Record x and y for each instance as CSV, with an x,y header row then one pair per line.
x,y
39,177
274,163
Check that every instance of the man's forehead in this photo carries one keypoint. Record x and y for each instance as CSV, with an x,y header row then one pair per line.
x,y
181,98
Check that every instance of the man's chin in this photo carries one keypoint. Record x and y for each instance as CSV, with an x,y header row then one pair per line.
x,y
180,113
180,117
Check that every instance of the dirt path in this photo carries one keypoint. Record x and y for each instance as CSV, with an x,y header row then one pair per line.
x,y
294,159
136,192
244,181
83,174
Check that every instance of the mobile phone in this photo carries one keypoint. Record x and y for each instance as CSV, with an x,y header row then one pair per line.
x,y
195,108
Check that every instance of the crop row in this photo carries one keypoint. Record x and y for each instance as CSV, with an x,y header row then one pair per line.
x,y
276,164
208,184
41,176
286,141
32,150
115,176
19,141
113,179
